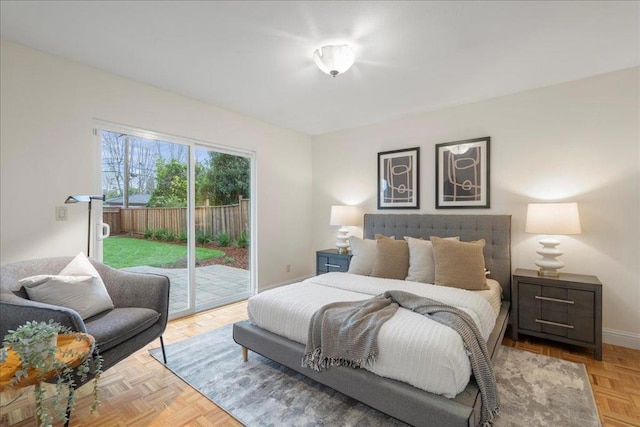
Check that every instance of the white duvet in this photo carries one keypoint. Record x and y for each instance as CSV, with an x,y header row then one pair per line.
x,y
412,348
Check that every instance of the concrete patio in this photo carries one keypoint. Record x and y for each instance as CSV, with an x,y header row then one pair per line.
x,y
214,284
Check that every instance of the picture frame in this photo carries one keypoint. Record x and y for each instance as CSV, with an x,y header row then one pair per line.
x,y
399,179
462,174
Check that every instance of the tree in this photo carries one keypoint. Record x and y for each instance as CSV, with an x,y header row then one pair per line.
x,y
204,189
227,178
134,165
139,162
112,164
171,184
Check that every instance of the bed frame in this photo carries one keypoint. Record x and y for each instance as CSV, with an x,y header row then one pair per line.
x,y
401,400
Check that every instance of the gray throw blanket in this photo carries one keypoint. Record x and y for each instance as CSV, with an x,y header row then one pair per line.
x,y
345,334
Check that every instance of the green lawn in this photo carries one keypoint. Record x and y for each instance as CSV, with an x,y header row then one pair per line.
x,y
121,252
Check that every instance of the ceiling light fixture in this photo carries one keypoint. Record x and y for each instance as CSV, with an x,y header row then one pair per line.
x,y
334,59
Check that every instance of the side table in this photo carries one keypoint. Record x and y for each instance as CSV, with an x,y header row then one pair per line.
x,y
81,349
566,309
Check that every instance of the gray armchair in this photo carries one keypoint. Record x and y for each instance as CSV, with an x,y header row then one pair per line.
x,y
140,315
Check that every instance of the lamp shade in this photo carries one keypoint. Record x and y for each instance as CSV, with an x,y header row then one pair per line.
x,y
344,215
333,59
553,218
84,199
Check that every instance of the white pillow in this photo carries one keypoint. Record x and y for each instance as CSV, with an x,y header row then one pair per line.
x,y
78,286
421,264
364,255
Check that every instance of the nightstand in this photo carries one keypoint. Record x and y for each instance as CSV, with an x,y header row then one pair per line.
x,y
329,260
566,309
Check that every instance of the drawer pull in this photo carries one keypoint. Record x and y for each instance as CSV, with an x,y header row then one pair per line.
x,y
332,265
562,325
565,301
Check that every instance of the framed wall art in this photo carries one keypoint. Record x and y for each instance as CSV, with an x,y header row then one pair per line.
x,y
398,179
462,174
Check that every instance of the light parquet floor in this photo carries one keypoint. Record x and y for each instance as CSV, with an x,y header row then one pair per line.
x,y
139,391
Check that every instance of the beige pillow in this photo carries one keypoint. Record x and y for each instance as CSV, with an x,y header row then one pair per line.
x,y
459,264
382,236
392,259
78,286
421,265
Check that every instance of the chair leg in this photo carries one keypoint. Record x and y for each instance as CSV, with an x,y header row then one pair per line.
x,y
164,355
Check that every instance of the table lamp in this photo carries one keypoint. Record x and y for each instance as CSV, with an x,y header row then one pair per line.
x,y
343,216
551,219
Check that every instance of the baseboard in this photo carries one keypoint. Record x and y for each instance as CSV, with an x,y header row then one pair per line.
x,y
621,338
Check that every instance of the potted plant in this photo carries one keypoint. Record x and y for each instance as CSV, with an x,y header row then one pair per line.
x,y
35,344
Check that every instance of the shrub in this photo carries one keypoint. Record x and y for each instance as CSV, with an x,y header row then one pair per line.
x,y
203,238
160,233
169,236
243,239
182,237
228,260
223,239
148,233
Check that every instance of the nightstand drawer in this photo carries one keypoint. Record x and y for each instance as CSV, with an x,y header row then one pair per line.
x,y
329,260
573,326
327,264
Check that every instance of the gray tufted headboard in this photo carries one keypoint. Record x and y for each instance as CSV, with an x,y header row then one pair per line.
x,y
494,229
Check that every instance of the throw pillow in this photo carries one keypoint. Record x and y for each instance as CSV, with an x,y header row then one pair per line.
x,y
392,259
364,255
78,287
459,264
421,264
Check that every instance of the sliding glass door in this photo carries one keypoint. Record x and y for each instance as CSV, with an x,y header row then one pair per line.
x,y
222,187
178,208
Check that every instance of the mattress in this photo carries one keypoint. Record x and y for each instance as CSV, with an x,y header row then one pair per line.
x,y
412,348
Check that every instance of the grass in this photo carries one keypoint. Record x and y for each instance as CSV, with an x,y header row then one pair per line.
x,y
122,252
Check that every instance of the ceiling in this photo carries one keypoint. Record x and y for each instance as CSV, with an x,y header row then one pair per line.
x,y
255,58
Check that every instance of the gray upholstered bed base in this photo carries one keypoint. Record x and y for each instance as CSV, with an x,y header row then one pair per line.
x,y
398,399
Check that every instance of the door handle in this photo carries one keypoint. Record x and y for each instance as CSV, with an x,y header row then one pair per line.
x,y
104,230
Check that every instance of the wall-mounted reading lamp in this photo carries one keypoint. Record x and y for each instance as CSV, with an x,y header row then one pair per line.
x,y
89,200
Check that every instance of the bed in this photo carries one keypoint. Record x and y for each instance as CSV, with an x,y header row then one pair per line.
x,y
399,398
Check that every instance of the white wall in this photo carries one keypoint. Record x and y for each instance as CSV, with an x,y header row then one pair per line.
x,y
577,141
47,109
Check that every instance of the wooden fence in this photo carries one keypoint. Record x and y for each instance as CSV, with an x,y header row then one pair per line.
x,y
211,220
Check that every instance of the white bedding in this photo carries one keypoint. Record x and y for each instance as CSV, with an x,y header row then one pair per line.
x,y
493,295
412,348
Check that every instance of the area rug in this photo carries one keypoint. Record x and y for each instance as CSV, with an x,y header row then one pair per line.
x,y
534,390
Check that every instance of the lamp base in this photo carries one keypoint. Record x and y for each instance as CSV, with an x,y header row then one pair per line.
x,y
548,273
342,242
548,264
